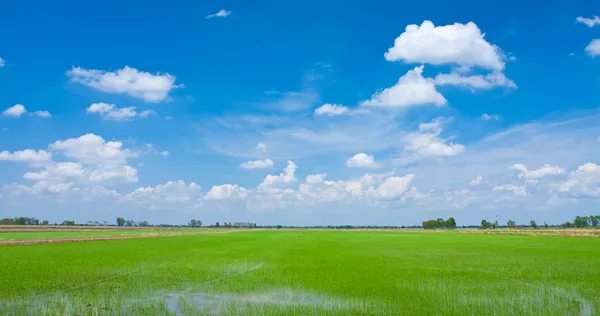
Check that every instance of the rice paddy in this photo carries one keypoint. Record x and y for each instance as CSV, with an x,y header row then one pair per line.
x,y
305,272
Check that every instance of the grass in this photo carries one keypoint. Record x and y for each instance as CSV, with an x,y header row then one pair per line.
x,y
305,272
57,234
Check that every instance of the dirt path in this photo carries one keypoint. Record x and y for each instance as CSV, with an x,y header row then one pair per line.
x,y
94,238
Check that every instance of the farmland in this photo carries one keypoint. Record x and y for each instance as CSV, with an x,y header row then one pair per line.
x,y
305,272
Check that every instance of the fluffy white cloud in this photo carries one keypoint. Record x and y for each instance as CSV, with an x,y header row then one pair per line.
x,y
412,89
393,187
477,180
461,44
57,172
425,143
111,112
226,191
362,160
27,155
94,150
257,164
590,22
139,84
18,110
519,190
170,192
532,176
487,117
585,181
15,111
315,178
593,49
221,14
331,110
126,173
484,82
286,177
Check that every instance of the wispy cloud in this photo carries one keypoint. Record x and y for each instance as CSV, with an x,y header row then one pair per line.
x,y
220,14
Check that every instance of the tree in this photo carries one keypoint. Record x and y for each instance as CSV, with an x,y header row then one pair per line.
x,y
451,223
45,223
566,225
595,220
495,225
143,224
130,223
68,223
487,225
120,221
533,224
199,223
217,224
581,221
192,223
545,225
511,224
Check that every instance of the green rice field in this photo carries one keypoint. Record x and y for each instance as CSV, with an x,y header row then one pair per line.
x,y
305,272
22,235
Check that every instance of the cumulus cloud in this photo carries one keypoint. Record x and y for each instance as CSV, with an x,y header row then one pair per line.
x,y
139,84
331,110
257,164
126,173
585,181
532,176
57,172
18,110
393,187
425,143
111,112
483,82
93,149
593,48
170,192
590,22
286,177
226,191
220,14
519,190
487,117
461,44
362,160
27,155
412,89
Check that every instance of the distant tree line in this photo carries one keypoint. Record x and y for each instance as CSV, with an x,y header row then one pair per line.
x,y
440,223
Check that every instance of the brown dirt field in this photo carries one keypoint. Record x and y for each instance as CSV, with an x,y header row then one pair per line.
x,y
95,238
49,228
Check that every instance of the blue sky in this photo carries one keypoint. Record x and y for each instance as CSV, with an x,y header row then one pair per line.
x,y
300,113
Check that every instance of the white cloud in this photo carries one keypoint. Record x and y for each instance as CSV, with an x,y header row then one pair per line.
x,y
220,14
362,160
512,58
477,180
585,181
593,49
532,176
226,191
139,84
412,89
484,82
43,114
18,110
261,147
286,177
519,190
258,164
57,172
94,150
426,144
487,117
461,44
111,112
590,22
126,173
164,153
315,178
15,111
170,192
27,155
2,62
393,187
331,110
